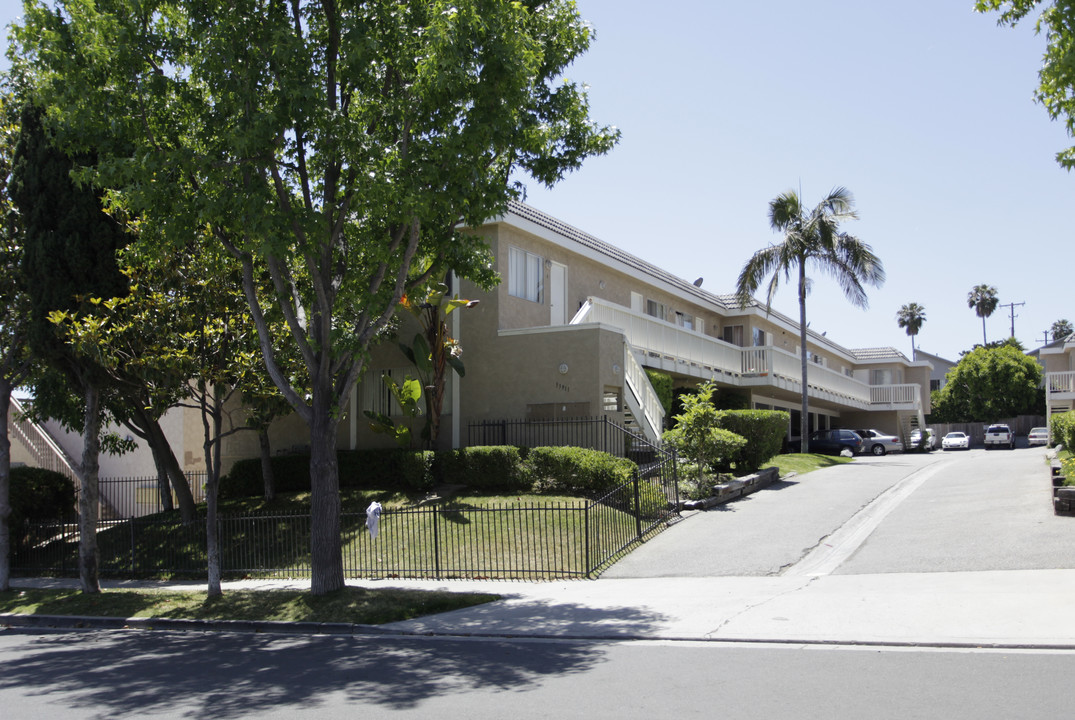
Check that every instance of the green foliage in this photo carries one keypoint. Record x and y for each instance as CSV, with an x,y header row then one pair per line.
x,y
1063,429
662,385
406,395
1061,329
482,468
983,300
911,317
39,495
1056,88
382,469
577,471
764,432
698,436
989,383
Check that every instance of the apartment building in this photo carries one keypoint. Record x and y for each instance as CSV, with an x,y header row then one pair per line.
x,y
575,322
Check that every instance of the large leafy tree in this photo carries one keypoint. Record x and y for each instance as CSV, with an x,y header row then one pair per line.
x,y
14,317
983,300
1061,329
812,238
336,148
911,316
1056,87
990,383
69,258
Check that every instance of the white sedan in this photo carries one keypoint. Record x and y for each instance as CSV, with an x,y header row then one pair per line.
x,y
1038,436
955,441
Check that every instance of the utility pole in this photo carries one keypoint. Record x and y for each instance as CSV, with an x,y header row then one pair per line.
x,y
1046,340
1011,311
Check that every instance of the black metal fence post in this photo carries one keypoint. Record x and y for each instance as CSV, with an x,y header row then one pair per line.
x,y
638,506
436,540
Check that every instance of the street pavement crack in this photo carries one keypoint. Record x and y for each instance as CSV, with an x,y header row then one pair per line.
x,y
833,549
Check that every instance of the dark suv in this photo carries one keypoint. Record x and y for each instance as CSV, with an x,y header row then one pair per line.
x,y
835,441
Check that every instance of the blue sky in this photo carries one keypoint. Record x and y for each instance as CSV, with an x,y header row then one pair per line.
x,y
923,109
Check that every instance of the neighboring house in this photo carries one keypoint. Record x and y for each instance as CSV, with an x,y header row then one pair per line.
x,y
569,332
1058,360
939,374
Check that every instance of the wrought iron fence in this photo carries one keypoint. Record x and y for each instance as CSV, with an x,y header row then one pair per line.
x,y
596,433
126,497
523,541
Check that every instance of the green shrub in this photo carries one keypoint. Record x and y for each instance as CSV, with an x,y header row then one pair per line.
x,y
38,495
482,468
698,436
381,469
1063,425
662,385
764,431
576,471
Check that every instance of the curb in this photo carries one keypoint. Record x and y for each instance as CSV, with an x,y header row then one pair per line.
x,y
77,622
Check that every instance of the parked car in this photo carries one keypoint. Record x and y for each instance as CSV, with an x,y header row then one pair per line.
x,y
835,441
1038,436
955,441
999,436
916,440
879,443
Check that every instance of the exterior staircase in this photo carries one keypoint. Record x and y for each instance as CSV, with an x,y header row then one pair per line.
x,y
45,451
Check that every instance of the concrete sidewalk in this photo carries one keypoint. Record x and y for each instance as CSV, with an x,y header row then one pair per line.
x,y
1007,609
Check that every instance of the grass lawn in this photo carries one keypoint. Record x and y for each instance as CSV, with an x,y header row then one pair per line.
x,y
801,463
349,605
542,537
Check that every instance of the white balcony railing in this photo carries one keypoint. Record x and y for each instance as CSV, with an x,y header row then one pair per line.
x,y
1060,382
751,366
908,394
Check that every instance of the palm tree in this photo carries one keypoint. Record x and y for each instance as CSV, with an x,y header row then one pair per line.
x,y
1061,329
911,316
811,238
983,298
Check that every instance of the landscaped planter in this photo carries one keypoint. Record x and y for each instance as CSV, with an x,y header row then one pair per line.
x,y
735,489
1064,501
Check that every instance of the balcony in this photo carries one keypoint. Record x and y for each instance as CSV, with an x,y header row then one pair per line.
x,y
665,346
1061,385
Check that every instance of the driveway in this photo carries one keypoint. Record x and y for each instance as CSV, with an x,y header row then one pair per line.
x,y
941,511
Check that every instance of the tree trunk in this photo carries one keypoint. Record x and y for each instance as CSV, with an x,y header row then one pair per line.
x,y
89,492
268,479
178,480
212,411
804,416
5,487
326,559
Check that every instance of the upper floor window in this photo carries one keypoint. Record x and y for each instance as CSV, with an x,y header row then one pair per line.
x,y
655,309
759,337
684,320
733,334
526,275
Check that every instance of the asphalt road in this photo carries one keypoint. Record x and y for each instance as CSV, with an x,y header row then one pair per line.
x,y
107,675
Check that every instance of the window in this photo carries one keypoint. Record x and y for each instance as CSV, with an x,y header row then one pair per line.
x,y
655,309
684,320
526,275
733,334
759,337
934,385
376,397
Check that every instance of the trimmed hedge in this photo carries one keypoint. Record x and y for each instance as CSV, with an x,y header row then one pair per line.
x,y
662,385
548,470
764,431
1063,425
576,471
38,495
388,469
482,468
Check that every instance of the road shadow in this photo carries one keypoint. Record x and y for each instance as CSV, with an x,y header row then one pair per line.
x,y
230,675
